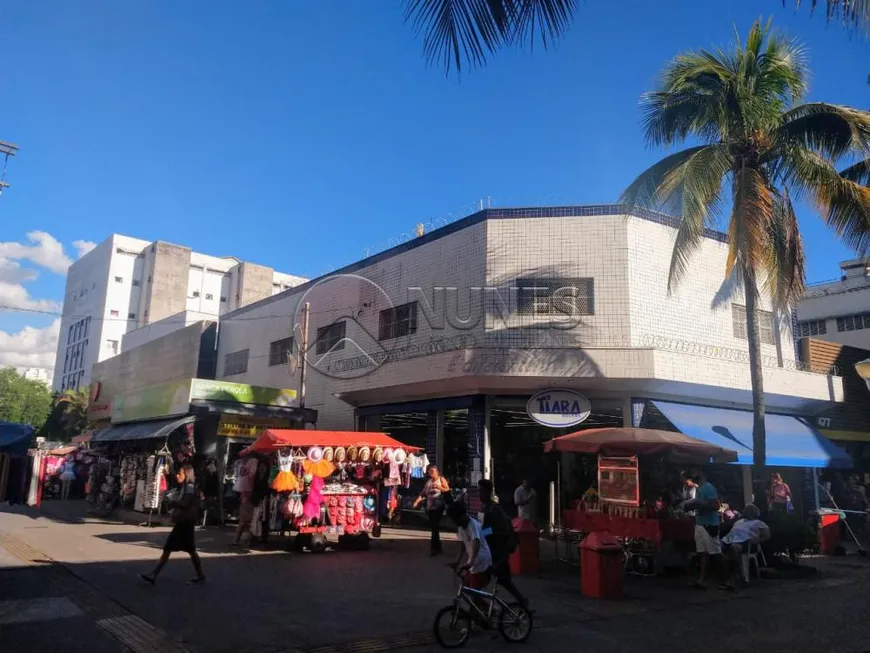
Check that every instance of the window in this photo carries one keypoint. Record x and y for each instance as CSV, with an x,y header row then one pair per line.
x,y
194,294
70,336
279,351
397,322
812,328
119,279
853,322
114,313
331,338
131,316
112,346
236,362
556,296
766,326
223,300
209,296
136,283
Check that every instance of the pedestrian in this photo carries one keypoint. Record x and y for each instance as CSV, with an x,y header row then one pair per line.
x,y
475,550
184,516
501,539
525,499
67,476
433,494
209,489
246,518
706,508
688,487
778,494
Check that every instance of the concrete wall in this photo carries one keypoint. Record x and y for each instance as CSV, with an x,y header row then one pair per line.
x,y
170,281
255,283
155,330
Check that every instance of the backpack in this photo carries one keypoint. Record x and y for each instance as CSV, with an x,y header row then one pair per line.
x,y
510,537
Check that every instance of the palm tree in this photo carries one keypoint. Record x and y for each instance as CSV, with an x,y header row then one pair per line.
x,y
757,143
461,32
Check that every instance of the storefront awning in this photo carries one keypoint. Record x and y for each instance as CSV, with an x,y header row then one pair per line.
x,y
275,439
155,428
790,441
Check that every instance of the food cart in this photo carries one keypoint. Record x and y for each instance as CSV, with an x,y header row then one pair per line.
x,y
617,508
330,483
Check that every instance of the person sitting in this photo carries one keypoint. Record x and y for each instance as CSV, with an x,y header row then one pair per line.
x,y
747,530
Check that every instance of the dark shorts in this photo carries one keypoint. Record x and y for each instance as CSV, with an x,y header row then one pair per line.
x,y
181,538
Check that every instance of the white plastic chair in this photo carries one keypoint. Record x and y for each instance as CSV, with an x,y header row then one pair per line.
x,y
753,554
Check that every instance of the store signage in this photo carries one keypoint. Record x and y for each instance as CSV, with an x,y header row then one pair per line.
x,y
235,426
240,393
558,408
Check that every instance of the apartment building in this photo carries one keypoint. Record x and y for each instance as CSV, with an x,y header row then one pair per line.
x,y
127,284
839,311
444,340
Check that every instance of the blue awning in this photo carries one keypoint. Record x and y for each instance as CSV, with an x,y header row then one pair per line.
x,y
155,428
15,438
791,442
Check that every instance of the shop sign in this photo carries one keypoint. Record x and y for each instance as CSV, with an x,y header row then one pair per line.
x,y
558,408
240,393
327,530
99,407
235,426
164,400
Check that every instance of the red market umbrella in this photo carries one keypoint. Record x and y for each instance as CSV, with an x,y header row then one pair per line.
x,y
676,447
275,439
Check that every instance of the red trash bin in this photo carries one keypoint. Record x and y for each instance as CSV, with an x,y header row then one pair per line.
x,y
601,566
829,532
526,558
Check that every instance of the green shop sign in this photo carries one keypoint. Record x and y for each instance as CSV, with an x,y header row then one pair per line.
x,y
240,393
170,399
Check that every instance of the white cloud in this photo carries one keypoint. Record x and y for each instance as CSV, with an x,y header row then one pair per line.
x,y
30,347
14,296
83,246
46,251
12,272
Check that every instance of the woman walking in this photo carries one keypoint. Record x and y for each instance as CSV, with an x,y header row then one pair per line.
x,y
184,513
433,494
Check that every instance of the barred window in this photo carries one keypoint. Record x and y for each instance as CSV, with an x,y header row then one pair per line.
x,y
236,362
556,296
279,351
807,328
331,338
853,322
766,325
397,322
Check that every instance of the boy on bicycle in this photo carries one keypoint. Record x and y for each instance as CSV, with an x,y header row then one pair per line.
x,y
474,548
501,538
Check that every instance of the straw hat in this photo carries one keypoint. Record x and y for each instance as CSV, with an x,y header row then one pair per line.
x,y
378,455
340,454
352,454
365,454
399,456
328,453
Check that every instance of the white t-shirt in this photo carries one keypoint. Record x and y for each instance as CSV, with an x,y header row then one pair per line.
x,y
467,536
527,511
746,530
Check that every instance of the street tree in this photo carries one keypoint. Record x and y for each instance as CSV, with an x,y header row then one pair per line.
x,y
23,401
758,148
68,417
458,33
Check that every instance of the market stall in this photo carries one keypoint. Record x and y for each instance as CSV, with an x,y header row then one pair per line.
x,y
328,482
616,505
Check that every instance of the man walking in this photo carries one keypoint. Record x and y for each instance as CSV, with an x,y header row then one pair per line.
x,y
706,507
500,538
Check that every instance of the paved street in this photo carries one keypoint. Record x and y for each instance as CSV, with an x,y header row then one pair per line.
x,y
76,582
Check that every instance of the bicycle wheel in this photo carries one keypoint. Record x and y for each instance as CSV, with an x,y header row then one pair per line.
x,y
516,627
452,627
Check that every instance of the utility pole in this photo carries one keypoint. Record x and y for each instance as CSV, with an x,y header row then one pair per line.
x,y
303,352
6,150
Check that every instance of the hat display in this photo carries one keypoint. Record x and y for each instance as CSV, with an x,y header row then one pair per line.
x,y
328,453
315,454
399,456
388,454
340,454
378,455
365,454
353,454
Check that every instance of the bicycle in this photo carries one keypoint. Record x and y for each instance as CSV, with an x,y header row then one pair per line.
x,y
513,620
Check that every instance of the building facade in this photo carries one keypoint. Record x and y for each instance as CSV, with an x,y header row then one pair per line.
x,y
839,311
35,374
126,284
442,341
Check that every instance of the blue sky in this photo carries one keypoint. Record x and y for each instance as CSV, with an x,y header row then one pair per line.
x,y
296,135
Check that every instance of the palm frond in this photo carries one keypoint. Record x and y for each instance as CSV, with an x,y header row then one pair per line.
x,y
750,219
851,13
859,172
830,129
784,261
457,33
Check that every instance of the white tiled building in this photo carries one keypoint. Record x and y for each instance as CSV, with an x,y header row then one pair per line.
x,y
839,311
126,284
454,331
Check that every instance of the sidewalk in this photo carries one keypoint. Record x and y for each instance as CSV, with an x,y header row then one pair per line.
x,y
279,601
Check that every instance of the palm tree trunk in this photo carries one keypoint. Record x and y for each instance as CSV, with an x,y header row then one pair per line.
x,y
759,441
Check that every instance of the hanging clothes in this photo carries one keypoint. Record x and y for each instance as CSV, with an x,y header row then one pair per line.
x,y
286,480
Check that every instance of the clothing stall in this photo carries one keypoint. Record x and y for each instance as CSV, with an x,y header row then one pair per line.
x,y
327,483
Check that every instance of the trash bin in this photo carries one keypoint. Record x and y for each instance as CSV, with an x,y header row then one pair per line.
x,y
601,566
526,558
829,530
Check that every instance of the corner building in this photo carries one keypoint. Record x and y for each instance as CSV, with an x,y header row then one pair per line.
x,y
441,341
